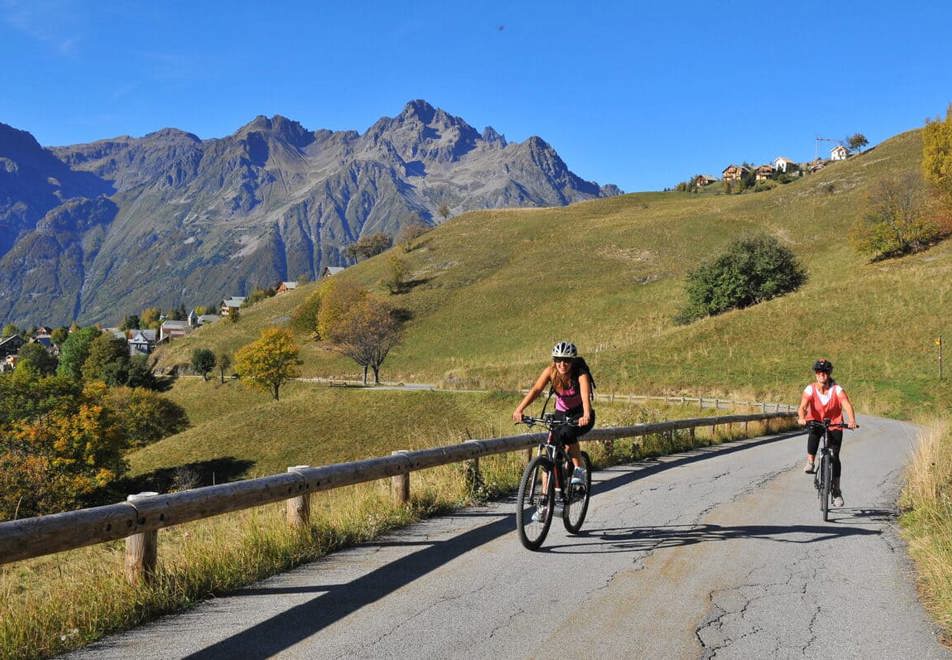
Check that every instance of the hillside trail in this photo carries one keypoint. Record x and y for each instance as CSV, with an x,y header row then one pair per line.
x,y
715,552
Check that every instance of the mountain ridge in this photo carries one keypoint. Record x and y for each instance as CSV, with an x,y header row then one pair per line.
x,y
195,220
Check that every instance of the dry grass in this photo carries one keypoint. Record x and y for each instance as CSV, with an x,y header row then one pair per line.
x,y
927,520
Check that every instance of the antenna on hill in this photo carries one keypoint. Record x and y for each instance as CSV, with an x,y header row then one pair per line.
x,y
816,152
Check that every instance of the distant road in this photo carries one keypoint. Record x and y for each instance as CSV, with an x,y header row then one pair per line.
x,y
718,552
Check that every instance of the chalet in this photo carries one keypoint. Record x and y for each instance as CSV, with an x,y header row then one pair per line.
x,y
764,172
46,342
702,180
735,172
11,345
229,304
43,330
785,165
284,287
142,342
839,152
331,270
171,329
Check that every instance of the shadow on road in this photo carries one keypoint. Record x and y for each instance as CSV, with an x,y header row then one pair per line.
x,y
337,601
637,539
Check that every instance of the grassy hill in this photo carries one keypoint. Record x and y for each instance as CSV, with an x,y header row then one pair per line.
x,y
496,288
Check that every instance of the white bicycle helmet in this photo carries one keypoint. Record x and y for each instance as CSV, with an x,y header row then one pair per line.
x,y
564,349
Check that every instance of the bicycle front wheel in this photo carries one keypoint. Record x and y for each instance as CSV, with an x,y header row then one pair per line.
x,y
826,481
573,514
535,502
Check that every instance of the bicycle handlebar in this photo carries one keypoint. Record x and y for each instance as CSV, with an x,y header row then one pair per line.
x,y
827,425
547,421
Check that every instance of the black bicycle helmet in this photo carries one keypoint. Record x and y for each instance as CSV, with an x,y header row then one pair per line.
x,y
823,365
564,349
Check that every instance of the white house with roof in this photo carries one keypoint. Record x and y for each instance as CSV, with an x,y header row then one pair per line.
x,y
785,165
839,152
229,304
284,287
142,342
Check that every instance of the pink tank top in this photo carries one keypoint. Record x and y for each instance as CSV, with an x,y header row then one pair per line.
x,y
569,399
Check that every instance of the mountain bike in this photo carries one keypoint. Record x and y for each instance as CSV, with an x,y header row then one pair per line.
x,y
546,487
823,475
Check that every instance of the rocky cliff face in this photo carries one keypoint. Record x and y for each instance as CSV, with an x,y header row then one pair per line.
x,y
95,231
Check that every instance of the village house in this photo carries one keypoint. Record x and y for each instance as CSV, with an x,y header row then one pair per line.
x,y
785,165
764,172
702,180
11,345
142,342
229,304
284,287
839,152
735,172
204,319
171,329
331,270
46,342
8,363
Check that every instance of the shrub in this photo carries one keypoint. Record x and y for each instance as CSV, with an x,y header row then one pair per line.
x,y
896,221
752,270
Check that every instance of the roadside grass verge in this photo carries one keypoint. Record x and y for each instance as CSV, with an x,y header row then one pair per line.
x,y
927,520
61,602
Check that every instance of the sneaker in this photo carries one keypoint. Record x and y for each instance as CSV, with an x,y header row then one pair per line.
x,y
810,467
578,476
837,498
539,514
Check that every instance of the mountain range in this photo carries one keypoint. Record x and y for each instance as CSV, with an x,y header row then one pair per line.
x,y
93,232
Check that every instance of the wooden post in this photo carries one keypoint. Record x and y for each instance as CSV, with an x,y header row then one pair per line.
x,y
400,484
692,434
299,508
700,402
746,432
142,550
714,432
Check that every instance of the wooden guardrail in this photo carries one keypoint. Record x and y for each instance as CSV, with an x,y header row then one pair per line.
x,y
139,519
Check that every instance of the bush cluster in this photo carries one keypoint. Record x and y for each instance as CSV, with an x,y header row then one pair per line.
x,y
750,271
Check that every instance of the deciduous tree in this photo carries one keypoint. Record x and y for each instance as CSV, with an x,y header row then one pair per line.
x,y
937,166
270,361
36,359
224,363
203,361
108,360
896,221
74,351
366,333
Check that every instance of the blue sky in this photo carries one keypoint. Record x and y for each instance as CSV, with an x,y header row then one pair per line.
x,y
640,95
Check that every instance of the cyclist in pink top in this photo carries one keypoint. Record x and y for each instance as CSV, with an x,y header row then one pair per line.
x,y
825,399
571,384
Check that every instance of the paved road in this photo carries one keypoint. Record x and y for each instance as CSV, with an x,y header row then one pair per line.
x,y
719,552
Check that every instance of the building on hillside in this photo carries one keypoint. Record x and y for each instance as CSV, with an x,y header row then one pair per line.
x,y
229,304
172,329
42,330
735,172
205,319
331,270
702,180
11,345
764,172
785,165
8,363
816,165
142,342
192,319
284,287
46,342
839,152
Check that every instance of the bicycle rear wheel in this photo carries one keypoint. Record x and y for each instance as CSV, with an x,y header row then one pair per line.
x,y
826,481
533,499
573,514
